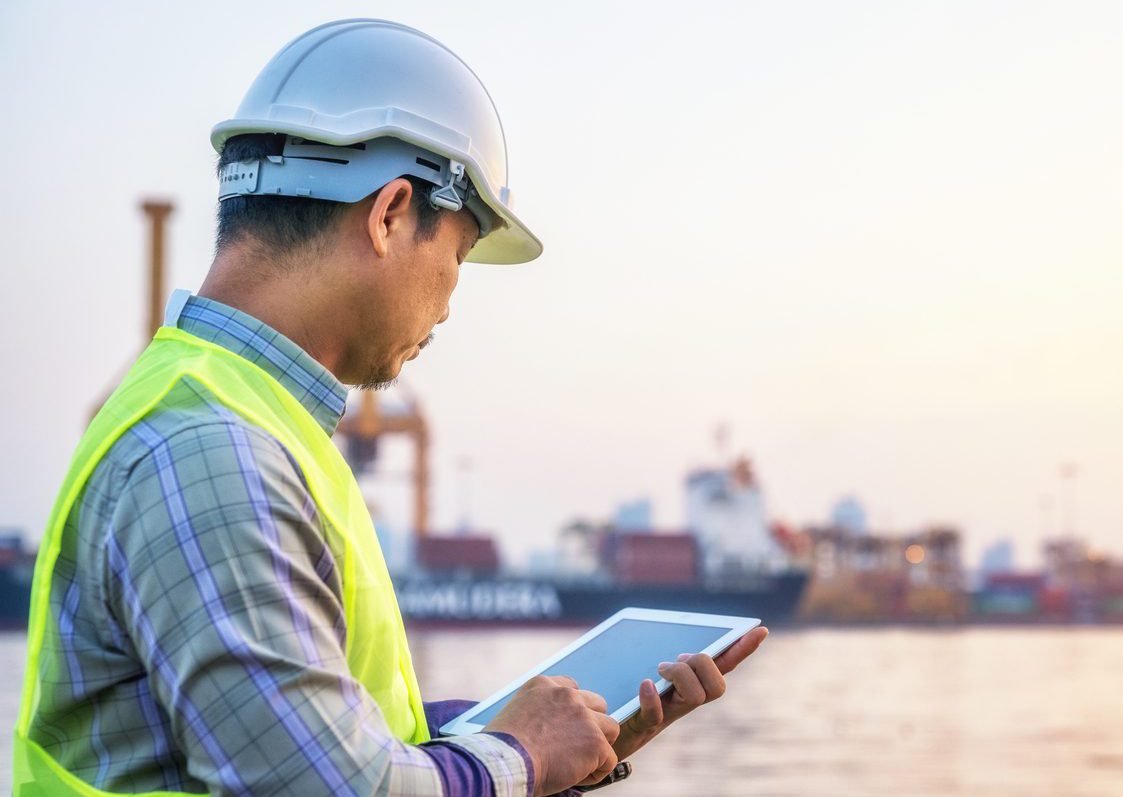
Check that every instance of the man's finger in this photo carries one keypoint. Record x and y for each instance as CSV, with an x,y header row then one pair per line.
x,y
708,675
650,706
562,680
593,700
740,650
688,689
609,727
606,764
597,776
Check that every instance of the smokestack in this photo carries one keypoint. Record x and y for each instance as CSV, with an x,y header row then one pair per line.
x,y
157,213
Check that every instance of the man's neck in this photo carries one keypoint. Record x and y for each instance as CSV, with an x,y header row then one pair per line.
x,y
286,303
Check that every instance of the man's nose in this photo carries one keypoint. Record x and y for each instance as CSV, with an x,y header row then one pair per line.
x,y
445,316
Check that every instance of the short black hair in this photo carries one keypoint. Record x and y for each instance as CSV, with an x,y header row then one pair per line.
x,y
283,223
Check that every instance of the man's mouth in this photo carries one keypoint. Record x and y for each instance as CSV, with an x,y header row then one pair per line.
x,y
417,347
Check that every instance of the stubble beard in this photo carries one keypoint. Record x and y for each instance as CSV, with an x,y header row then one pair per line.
x,y
377,379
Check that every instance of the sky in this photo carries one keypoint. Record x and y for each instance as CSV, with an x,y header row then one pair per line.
x,y
879,240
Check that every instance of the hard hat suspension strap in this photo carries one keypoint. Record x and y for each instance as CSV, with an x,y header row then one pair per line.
x,y
349,173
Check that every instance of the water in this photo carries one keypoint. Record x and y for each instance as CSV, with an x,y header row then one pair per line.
x,y
980,712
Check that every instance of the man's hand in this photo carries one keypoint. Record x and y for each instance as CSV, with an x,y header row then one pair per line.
x,y
564,729
697,679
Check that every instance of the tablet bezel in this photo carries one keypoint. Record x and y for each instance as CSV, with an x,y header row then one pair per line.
x,y
738,627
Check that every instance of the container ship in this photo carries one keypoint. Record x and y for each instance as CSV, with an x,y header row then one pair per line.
x,y
727,561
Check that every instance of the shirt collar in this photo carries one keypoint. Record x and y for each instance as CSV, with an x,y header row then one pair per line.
x,y
310,383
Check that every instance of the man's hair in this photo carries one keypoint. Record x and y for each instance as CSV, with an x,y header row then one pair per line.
x,y
284,223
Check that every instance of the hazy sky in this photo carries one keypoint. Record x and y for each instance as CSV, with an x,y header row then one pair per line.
x,y
881,240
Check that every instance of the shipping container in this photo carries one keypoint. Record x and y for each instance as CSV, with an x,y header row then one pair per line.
x,y
635,558
1010,596
475,554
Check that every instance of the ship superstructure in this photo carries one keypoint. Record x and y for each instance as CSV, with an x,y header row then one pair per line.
x,y
726,559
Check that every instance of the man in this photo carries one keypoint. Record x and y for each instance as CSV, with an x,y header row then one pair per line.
x,y
211,612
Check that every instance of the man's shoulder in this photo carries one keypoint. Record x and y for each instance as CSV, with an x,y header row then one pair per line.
x,y
192,463
190,459
189,427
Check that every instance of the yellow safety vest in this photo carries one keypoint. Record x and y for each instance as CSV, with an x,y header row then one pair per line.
x,y
377,651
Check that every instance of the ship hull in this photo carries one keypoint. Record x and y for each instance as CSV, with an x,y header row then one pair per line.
x,y
15,596
466,602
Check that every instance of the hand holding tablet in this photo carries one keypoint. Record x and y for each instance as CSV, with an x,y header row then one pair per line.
x,y
696,679
564,730
602,673
613,658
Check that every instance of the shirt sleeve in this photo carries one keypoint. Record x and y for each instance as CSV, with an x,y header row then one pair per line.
x,y
439,712
217,569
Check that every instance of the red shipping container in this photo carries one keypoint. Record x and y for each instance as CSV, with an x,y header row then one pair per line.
x,y
471,553
665,559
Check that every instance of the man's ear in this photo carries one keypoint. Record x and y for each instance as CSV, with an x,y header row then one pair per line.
x,y
389,214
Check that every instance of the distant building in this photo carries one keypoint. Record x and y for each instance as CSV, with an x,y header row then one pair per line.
x,y
578,552
849,515
1089,580
634,515
11,538
998,558
1068,563
396,544
935,558
875,578
542,563
725,509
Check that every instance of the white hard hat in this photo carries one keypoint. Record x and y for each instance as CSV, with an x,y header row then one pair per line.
x,y
363,101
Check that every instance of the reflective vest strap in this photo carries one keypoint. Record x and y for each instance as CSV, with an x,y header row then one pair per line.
x,y
94,444
39,775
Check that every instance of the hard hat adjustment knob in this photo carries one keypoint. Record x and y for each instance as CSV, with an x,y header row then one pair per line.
x,y
448,196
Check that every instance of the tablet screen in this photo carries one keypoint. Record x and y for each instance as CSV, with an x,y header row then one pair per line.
x,y
634,647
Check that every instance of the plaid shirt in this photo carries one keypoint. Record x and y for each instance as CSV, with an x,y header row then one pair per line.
x,y
200,627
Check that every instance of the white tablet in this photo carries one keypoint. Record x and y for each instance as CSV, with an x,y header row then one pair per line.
x,y
613,658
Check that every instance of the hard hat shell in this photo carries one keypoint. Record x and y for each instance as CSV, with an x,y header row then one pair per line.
x,y
354,80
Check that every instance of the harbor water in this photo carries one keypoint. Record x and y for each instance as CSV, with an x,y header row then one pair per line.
x,y
1021,712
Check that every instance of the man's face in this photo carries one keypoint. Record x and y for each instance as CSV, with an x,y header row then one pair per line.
x,y
413,282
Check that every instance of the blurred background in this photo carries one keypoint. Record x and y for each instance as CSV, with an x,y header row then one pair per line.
x,y
827,331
